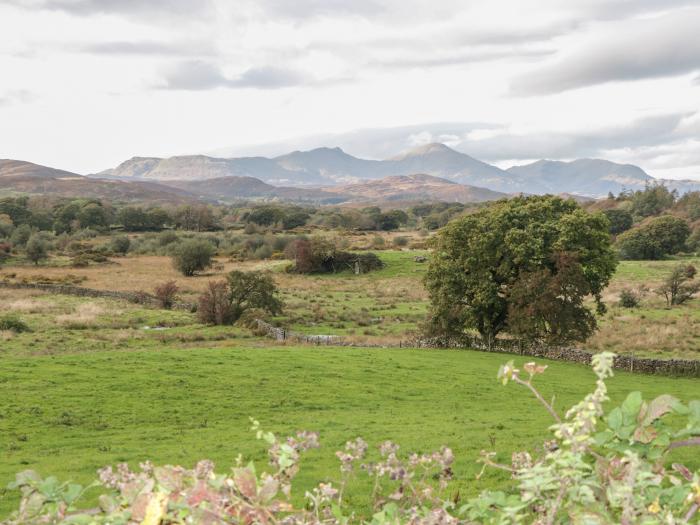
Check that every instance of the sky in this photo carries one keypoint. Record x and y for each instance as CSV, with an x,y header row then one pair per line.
x,y
87,84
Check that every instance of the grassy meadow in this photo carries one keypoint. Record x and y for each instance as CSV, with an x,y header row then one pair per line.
x,y
69,414
386,306
101,381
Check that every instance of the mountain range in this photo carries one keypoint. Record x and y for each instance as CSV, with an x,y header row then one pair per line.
x,y
333,167
433,172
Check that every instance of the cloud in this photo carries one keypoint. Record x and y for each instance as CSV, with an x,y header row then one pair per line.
x,y
198,75
300,9
145,47
164,8
17,96
495,142
648,48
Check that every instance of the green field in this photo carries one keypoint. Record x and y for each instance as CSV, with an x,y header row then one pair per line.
x,y
69,414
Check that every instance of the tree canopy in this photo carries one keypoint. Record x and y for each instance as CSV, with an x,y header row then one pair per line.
x,y
524,266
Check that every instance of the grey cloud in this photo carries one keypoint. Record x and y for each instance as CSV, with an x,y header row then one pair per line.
x,y
650,48
145,47
449,59
198,75
498,143
164,8
300,9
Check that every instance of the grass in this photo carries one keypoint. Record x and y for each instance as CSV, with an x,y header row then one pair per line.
x,y
70,414
388,305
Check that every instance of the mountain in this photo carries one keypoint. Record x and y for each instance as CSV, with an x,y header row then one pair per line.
x,y
322,166
18,176
238,188
419,187
592,177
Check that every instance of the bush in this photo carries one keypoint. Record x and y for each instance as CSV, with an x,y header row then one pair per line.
x,y
224,302
400,241
193,256
214,305
167,237
678,288
629,299
120,244
166,294
13,324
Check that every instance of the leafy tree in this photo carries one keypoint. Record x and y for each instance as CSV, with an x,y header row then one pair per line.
x,y
654,239
17,209
548,305
36,249
193,256
93,215
21,235
485,263
224,302
620,220
679,287
157,218
265,215
295,219
252,290
133,219
66,217
653,200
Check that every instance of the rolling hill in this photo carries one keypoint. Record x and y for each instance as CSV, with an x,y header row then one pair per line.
x,y
419,187
592,177
25,177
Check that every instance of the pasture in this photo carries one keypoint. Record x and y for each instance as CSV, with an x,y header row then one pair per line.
x,y
72,412
388,305
102,381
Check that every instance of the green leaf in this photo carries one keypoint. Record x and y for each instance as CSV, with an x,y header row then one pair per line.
x,y
631,406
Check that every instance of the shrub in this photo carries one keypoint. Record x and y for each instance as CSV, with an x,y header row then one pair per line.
x,y
678,288
13,324
400,241
193,256
214,305
167,237
166,294
224,302
629,299
120,244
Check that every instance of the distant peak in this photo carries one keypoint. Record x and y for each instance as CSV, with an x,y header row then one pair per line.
x,y
426,149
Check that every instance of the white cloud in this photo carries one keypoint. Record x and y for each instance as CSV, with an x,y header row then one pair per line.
x,y
267,75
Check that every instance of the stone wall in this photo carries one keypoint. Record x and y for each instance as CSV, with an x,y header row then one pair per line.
x,y
282,334
671,367
65,289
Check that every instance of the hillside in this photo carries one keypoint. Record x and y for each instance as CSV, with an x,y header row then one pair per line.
x,y
237,187
323,166
25,177
335,167
415,188
593,177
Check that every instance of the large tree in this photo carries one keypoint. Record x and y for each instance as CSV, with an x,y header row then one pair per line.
x,y
525,266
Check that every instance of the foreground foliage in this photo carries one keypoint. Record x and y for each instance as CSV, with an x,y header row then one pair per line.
x,y
619,473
